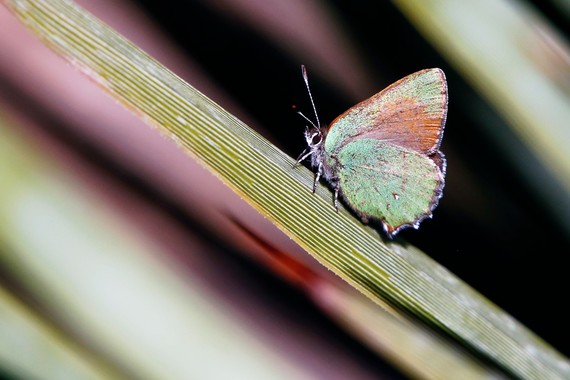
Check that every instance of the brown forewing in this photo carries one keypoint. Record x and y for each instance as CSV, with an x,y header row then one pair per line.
x,y
409,113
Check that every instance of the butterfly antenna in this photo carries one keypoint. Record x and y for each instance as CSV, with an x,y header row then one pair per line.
x,y
306,118
306,79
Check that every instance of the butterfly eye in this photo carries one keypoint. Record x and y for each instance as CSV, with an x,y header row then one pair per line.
x,y
316,139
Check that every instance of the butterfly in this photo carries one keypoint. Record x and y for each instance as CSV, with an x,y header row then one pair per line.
x,y
382,155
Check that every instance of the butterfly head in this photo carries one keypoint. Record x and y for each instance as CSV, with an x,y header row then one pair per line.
x,y
314,138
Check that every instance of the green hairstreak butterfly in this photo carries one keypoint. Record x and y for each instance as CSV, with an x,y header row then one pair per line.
x,y
382,155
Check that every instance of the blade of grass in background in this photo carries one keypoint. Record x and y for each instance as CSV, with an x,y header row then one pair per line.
x,y
264,177
109,287
31,349
419,352
522,66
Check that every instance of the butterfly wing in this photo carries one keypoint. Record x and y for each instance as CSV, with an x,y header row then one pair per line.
x,y
410,113
399,186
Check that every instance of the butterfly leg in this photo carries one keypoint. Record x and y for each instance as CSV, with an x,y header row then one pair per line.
x,y
318,176
306,153
336,189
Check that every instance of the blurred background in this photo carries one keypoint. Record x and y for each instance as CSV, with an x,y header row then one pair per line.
x,y
104,222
